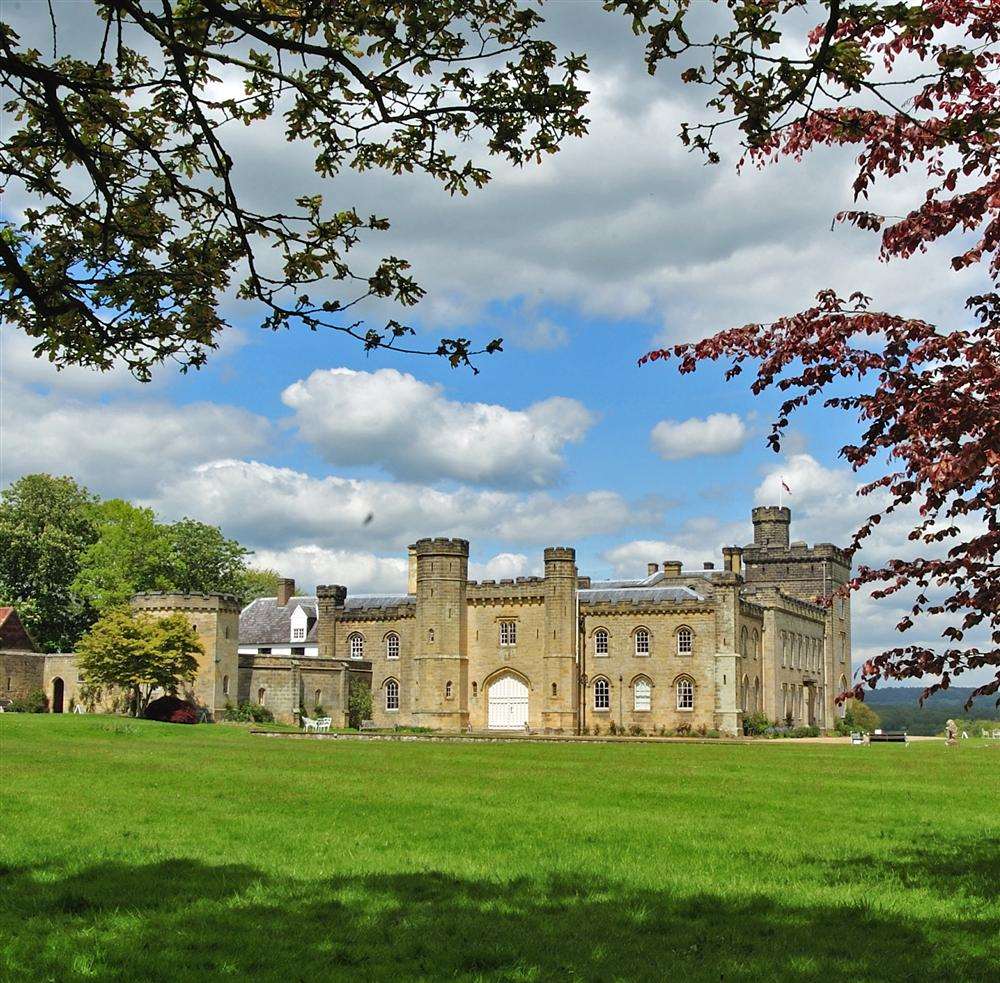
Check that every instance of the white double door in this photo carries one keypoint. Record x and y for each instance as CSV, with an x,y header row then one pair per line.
x,y
508,703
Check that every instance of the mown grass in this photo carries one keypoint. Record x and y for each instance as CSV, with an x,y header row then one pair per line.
x,y
149,851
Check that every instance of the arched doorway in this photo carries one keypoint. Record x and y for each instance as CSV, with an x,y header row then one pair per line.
x,y
57,695
508,703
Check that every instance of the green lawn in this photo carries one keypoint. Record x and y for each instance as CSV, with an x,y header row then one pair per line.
x,y
149,851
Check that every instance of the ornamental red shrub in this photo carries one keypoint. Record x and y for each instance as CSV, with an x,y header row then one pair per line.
x,y
172,710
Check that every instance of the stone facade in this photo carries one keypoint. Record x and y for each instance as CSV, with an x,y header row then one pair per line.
x,y
560,653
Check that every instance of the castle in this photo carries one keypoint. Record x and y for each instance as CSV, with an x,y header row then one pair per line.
x,y
558,653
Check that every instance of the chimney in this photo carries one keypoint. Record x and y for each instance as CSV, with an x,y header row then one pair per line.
x,y
709,565
672,568
411,576
286,590
652,568
732,559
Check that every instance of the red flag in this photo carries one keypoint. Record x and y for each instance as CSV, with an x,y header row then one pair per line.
x,y
783,485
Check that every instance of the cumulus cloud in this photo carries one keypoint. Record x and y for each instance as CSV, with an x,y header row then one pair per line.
x,y
412,430
719,433
360,571
279,507
122,447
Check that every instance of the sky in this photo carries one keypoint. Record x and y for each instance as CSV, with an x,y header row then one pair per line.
x,y
620,243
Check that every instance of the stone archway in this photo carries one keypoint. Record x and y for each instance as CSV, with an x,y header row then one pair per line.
x,y
58,694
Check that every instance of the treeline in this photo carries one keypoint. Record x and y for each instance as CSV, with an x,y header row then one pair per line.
x,y
67,556
898,708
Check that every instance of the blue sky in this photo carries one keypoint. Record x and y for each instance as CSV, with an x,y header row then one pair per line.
x,y
620,243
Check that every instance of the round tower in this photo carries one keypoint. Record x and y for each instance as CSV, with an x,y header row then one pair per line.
x,y
770,525
441,626
558,690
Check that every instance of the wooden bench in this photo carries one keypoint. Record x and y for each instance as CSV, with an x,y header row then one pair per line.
x,y
887,737
369,725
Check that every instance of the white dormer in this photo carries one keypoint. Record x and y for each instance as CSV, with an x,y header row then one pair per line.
x,y
300,624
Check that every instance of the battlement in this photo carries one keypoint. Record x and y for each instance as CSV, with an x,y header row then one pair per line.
x,y
155,600
441,546
332,592
564,554
770,525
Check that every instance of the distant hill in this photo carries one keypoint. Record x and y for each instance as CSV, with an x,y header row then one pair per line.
x,y
898,708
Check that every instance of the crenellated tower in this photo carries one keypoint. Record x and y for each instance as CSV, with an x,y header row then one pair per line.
x,y
441,649
559,690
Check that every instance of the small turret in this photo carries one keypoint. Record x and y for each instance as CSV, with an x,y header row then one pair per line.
x,y
770,525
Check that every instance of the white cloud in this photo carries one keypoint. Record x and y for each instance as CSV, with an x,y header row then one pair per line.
x,y
408,426
719,433
278,508
505,566
539,335
361,572
123,447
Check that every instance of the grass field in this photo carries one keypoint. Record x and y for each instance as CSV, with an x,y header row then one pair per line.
x,y
148,851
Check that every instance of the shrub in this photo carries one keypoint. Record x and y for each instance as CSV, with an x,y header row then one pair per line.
x,y
712,732
171,710
684,730
359,702
318,711
35,702
248,713
636,731
755,724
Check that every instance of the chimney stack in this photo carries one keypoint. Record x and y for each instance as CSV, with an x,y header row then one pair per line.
x,y
411,578
286,590
732,559
672,568
652,568
709,565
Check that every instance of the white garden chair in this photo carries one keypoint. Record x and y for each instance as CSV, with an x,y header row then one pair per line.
x,y
986,733
996,735
323,723
309,724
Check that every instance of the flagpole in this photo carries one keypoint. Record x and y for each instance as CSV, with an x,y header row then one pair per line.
x,y
781,482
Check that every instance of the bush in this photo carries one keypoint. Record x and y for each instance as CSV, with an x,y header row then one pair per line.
x,y
172,710
248,713
858,716
35,702
712,732
359,703
755,724
684,730
318,711
636,731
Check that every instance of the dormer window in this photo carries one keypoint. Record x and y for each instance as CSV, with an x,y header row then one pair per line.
x,y
299,623
298,634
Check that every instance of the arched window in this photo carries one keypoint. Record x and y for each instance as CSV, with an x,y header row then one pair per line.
x,y
756,643
745,694
602,694
784,650
391,695
685,694
262,696
600,642
642,641
642,694
447,690
225,686
744,642
475,689
430,634
318,697
756,694
392,645
356,644
685,640
555,690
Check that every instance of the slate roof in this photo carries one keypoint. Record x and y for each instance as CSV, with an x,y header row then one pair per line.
x,y
616,595
263,622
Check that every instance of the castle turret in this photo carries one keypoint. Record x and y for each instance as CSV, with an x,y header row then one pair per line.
x,y
770,525
559,674
330,600
216,619
441,698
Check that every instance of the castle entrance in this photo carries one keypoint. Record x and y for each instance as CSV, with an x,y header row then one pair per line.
x,y
57,695
508,703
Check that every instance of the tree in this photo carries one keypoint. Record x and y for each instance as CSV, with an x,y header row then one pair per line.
x,y
138,655
256,582
136,224
132,553
359,702
909,87
200,560
45,526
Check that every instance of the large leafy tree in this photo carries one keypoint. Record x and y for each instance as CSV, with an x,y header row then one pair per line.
x,y
136,221
200,559
132,552
137,656
912,89
45,528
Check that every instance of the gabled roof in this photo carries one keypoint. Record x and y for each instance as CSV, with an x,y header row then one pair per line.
x,y
13,634
264,622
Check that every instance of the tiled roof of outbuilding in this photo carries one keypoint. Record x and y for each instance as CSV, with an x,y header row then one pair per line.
x,y
263,622
362,601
